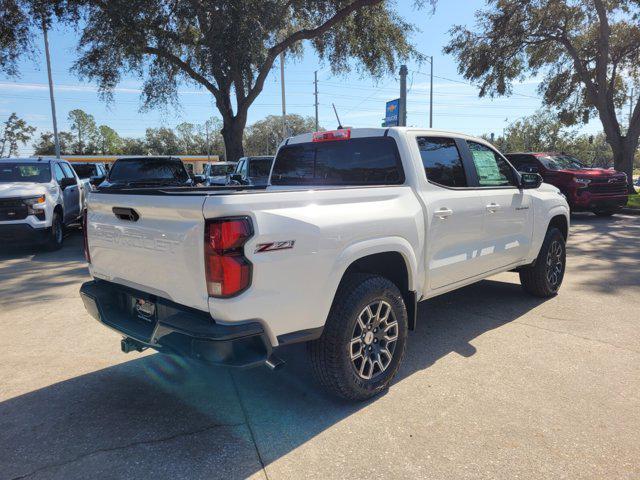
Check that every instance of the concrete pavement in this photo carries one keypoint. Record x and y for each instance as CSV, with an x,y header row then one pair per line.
x,y
496,384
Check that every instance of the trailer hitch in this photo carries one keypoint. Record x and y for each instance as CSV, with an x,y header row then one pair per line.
x,y
130,345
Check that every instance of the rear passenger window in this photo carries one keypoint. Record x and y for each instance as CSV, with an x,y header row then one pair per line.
x,y
442,162
358,161
492,169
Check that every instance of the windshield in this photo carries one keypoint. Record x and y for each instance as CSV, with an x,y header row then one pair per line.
x,y
220,170
561,162
25,172
84,171
260,167
151,170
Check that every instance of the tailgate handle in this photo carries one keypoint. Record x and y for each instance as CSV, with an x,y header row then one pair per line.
x,y
126,214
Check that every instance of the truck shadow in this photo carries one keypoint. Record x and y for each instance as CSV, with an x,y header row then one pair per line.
x,y
609,263
159,417
30,274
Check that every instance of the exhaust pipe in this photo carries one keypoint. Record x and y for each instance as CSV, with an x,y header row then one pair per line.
x,y
274,363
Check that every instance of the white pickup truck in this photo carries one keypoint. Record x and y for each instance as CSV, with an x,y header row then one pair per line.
x,y
355,227
39,197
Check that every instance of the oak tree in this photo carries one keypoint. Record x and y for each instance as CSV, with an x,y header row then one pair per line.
x,y
228,47
587,51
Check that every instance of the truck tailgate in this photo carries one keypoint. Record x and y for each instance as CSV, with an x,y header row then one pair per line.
x,y
154,243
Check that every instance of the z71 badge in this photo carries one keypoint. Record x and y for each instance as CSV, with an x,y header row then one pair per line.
x,y
273,246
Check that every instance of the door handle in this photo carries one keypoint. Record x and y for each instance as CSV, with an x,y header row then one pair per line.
x,y
443,213
493,207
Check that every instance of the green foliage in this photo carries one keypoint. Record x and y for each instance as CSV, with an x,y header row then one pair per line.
x,y
543,132
84,126
46,144
587,53
162,141
229,46
15,132
108,141
21,23
264,136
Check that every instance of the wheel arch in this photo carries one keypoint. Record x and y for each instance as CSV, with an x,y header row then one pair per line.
x,y
58,209
394,260
561,223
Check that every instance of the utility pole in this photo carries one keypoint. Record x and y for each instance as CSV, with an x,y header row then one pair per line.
x,y
431,96
206,127
315,82
403,96
284,104
53,102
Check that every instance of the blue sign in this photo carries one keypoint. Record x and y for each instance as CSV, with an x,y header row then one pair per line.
x,y
392,113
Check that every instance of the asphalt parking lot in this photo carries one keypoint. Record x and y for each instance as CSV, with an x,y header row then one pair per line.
x,y
495,384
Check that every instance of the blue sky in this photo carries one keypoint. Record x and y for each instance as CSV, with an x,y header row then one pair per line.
x,y
360,101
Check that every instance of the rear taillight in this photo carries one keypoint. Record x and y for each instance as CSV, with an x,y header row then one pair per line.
x,y
87,255
227,270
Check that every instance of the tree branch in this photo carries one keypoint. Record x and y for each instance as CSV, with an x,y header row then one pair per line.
x,y
304,34
634,123
149,50
602,59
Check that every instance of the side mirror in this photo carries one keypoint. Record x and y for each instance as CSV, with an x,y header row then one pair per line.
x,y
96,180
530,180
236,177
67,182
199,178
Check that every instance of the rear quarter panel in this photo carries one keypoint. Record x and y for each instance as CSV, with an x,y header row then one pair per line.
x,y
293,289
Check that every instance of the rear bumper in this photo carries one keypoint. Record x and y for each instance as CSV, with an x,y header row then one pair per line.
x,y
21,233
175,328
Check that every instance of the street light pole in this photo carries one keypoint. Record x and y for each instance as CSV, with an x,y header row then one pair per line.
x,y
53,102
315,82
403,96
284,104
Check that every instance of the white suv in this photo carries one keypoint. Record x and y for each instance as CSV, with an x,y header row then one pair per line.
x,y
38,198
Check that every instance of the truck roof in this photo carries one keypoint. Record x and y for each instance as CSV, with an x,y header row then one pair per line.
x,y
381,131
26,159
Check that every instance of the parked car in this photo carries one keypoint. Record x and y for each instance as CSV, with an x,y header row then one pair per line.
x,y
38,198
252,171
601,191
90,173
356,227
218,173
130,172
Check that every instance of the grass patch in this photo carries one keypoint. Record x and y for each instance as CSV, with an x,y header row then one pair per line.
x,y
634,201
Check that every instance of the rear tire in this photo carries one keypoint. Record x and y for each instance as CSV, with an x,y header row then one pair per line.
x,y
56,234
364,339
544,278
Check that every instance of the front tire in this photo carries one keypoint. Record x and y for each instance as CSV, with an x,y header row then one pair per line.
x,y
544,278
364,339
56,235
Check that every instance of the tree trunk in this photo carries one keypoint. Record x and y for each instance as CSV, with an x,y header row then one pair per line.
x,y
232,134
623,154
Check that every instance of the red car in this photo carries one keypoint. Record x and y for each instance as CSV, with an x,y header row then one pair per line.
x,y
601,191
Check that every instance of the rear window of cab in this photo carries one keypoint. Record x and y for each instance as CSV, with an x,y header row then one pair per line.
x,y
357,161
